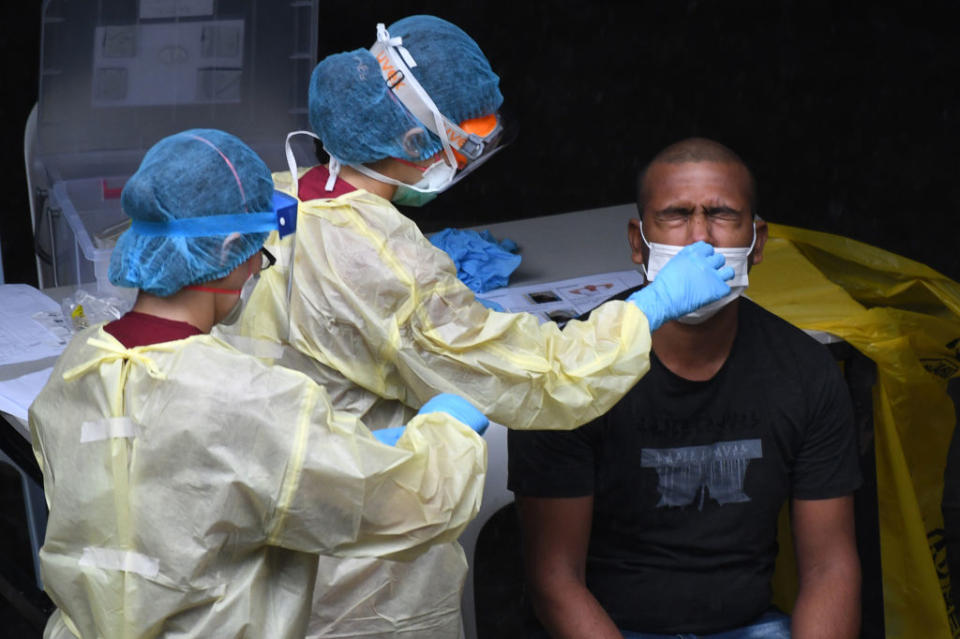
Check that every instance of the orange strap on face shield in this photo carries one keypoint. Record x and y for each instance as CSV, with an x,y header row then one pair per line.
x,y
481,127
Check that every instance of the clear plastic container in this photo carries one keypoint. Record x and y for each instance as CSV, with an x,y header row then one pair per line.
x,y
116,76
91,208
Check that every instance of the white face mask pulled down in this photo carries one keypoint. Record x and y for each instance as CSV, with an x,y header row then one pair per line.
x,y
237,309
737,258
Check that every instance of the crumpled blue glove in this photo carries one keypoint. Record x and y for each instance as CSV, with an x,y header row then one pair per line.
x,y
458,408
692,278
483,263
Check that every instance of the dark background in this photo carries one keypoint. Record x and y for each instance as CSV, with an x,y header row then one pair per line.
x,y
848,114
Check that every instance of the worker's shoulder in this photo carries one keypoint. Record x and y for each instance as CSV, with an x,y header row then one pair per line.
x,y
240,360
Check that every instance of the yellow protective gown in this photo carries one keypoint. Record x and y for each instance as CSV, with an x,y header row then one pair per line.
x,y
191,487
377,314
375,304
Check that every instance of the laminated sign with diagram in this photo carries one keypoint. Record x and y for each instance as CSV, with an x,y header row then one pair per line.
x,y
906,318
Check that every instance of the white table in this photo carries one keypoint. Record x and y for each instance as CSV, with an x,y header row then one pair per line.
x,y
16,450
567,245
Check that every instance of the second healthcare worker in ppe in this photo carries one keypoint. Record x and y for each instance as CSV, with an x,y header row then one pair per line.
x,y
190,485
376,313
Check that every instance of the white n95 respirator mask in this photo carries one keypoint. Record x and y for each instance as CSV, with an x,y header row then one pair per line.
x,y
435,178
738,258
237,309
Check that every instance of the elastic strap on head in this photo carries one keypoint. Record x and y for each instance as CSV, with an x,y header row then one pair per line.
x,y
283,219
292,162
236,176
393,60
380,177
261,222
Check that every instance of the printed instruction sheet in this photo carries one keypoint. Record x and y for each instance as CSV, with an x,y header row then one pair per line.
x,y
565,299
17,394
27,329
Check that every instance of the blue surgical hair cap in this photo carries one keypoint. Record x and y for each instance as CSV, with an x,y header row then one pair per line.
x,y
359,119
193,174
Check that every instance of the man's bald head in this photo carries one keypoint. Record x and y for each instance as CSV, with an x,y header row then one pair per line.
x,y
694,150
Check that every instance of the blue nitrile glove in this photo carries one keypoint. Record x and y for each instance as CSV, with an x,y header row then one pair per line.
x,y
493,306
453,405
389,436
692,278
458,408
482,262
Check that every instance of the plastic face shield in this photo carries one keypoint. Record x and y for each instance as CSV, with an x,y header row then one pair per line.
x,y
495,132
466,144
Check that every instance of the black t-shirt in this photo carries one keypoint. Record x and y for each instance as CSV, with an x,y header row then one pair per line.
x,y
688,478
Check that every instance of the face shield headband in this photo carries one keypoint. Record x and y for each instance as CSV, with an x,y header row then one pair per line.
x,y
465,146
283,219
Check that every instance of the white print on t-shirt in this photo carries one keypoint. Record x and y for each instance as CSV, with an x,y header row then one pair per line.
x,y
719,468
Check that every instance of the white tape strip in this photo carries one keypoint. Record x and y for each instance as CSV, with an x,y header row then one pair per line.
x,y
121,560
108,428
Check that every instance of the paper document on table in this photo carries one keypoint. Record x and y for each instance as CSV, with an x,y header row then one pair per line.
x,y
565,299
25,314
17,394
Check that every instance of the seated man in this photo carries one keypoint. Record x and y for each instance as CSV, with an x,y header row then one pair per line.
x,y
660,517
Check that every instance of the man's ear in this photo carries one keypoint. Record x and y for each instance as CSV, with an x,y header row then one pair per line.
x,y
762,234
637,247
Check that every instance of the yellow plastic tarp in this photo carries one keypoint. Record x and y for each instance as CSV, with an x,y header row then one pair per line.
x,y
906,318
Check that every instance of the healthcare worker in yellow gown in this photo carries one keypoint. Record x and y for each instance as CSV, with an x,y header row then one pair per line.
x,y
377,314
190,485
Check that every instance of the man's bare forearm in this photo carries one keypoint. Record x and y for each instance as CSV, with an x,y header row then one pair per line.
x,y
569,611
828,569
828,603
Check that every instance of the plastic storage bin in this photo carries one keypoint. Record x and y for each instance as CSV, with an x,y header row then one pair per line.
x,y
91,208
116,76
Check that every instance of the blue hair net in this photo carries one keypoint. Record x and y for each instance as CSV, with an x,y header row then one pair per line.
x,y
193,174
359,119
